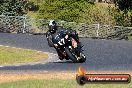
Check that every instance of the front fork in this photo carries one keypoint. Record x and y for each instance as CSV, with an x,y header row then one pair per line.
x,y
78,49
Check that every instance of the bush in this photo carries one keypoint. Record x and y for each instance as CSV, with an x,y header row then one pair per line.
x,y
84,11
68,10
130,36
99,13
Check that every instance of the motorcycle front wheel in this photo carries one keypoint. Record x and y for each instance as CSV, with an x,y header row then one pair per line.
x,y
83,58
73,58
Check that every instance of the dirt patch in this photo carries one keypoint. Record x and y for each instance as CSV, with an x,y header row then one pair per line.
x,y
9,77
15,76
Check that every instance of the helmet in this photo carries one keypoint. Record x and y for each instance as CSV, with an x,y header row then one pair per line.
x,y
52,26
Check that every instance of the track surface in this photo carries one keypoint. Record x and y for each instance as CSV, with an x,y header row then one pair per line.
x,y
101,54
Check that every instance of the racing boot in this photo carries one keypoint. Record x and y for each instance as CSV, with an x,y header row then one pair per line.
x,y
61,58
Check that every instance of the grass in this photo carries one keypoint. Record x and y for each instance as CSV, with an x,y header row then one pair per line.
x,y
9,55
50,80
58,83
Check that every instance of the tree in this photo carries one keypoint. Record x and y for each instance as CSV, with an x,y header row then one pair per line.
x,y
124,4
126,7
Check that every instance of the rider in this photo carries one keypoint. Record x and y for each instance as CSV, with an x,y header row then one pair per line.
x,y
53,28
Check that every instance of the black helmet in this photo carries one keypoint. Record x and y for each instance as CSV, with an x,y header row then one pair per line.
x,y
52,26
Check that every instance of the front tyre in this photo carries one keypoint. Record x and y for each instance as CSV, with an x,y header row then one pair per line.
x,y
71,56
83,58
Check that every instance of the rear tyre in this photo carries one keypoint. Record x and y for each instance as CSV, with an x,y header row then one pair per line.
x,y
50,43
49,39
71,56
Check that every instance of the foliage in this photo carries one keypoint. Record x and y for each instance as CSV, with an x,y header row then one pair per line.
x,y
125,10
130,36
121,19
15,7
99,13
80,11
124,4
68,10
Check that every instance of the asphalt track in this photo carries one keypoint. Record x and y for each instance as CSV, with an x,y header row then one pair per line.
x,y
101,54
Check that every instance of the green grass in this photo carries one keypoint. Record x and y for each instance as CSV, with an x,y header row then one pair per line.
x,y
58,83
9,55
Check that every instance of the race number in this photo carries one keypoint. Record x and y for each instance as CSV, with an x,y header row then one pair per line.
x,y
62,41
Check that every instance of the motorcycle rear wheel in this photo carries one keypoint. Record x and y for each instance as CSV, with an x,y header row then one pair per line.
x,y
50,43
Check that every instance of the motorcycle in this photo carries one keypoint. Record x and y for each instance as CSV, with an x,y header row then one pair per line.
x,y
68,47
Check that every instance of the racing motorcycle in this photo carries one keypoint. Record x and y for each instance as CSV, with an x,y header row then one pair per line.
x,y
67,47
